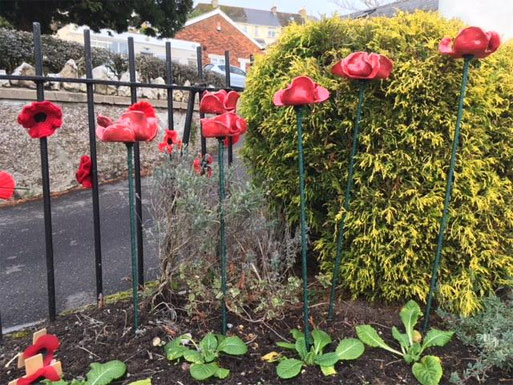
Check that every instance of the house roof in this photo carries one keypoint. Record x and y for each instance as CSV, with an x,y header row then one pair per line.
x,y
253,16
219,12
391,9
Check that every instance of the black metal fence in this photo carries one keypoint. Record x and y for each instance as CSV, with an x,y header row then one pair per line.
x,y
89,81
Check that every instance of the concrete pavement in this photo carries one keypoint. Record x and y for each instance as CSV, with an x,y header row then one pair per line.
x,y
23,289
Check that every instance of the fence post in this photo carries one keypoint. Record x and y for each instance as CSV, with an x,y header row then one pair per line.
x,y
169,80
94,169
228,85
137,168
43,145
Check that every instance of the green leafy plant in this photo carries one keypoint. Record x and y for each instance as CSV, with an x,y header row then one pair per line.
x,y
428,369
402,161
203,355
101,374
490,334
347,349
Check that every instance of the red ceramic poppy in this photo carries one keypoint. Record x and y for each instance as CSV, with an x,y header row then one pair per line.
x,y
301,91
227,124
46,372
41,119
219,102
203,166
83,173
104,121
470,41
145,107
7,185
363,65
46,345
132,126
169,141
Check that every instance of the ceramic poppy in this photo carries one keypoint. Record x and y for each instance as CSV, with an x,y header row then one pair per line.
x,y
7,185
46,345
301,91
83,173
470,41
41,119
203,166
131,127
145,107
227,124
46,372
169,141
219,102
363,65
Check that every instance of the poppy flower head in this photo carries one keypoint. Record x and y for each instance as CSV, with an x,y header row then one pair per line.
x,y
7,185
83,173
41,119
134,125
46,372
46,345
301,91
363,65
145,107
471,41
219,102
203,166
169,141
227,124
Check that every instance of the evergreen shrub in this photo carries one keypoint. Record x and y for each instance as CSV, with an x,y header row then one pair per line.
x,y
400,173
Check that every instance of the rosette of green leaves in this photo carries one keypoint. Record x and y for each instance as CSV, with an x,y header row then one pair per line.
x,y
427,370
203,355
347,349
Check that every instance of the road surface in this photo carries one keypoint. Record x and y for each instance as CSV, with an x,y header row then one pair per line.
x,y
23,288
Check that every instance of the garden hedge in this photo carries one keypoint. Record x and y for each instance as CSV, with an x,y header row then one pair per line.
x,y
400,173
16,47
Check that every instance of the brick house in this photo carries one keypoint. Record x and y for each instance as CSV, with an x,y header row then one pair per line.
x,y
216,33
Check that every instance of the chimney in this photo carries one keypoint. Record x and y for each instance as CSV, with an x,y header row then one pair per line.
x,y
303,14
274,10
215,3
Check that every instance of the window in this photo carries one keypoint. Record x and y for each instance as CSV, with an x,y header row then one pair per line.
x,y
100,44
271,32
216,59
256,31
237,71
245,28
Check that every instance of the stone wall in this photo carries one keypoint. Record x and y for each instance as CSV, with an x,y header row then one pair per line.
x,y
20,156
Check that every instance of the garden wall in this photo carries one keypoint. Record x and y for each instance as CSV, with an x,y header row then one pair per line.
x,y
19,154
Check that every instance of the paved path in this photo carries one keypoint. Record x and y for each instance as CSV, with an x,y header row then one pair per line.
x,y
23,291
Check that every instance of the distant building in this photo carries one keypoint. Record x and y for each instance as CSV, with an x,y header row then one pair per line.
x,y
217,33
262,25
391,9
182,51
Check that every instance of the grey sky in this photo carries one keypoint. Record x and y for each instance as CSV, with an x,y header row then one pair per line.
x,y
313,7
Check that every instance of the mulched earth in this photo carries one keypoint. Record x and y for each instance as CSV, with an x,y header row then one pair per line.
x,y
94,335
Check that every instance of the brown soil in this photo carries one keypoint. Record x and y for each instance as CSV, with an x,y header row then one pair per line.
x,y
93,335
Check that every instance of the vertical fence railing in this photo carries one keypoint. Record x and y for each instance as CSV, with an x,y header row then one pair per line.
x,y
199,60
137,167
90,83
43,145
94,168
169,81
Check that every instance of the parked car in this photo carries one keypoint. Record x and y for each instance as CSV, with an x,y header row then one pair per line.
x,y
237,76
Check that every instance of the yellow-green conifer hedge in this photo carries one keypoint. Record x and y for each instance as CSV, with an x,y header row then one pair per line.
x,y
400,175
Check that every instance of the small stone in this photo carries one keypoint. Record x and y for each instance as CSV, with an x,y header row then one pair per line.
x,y
24,69
229,325
156,341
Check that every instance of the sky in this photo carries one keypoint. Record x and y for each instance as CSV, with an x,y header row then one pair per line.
x,y
313,7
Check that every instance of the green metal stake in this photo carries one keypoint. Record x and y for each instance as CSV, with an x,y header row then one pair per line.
x,y
133,233
340,238
299,113
222,240
450,181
